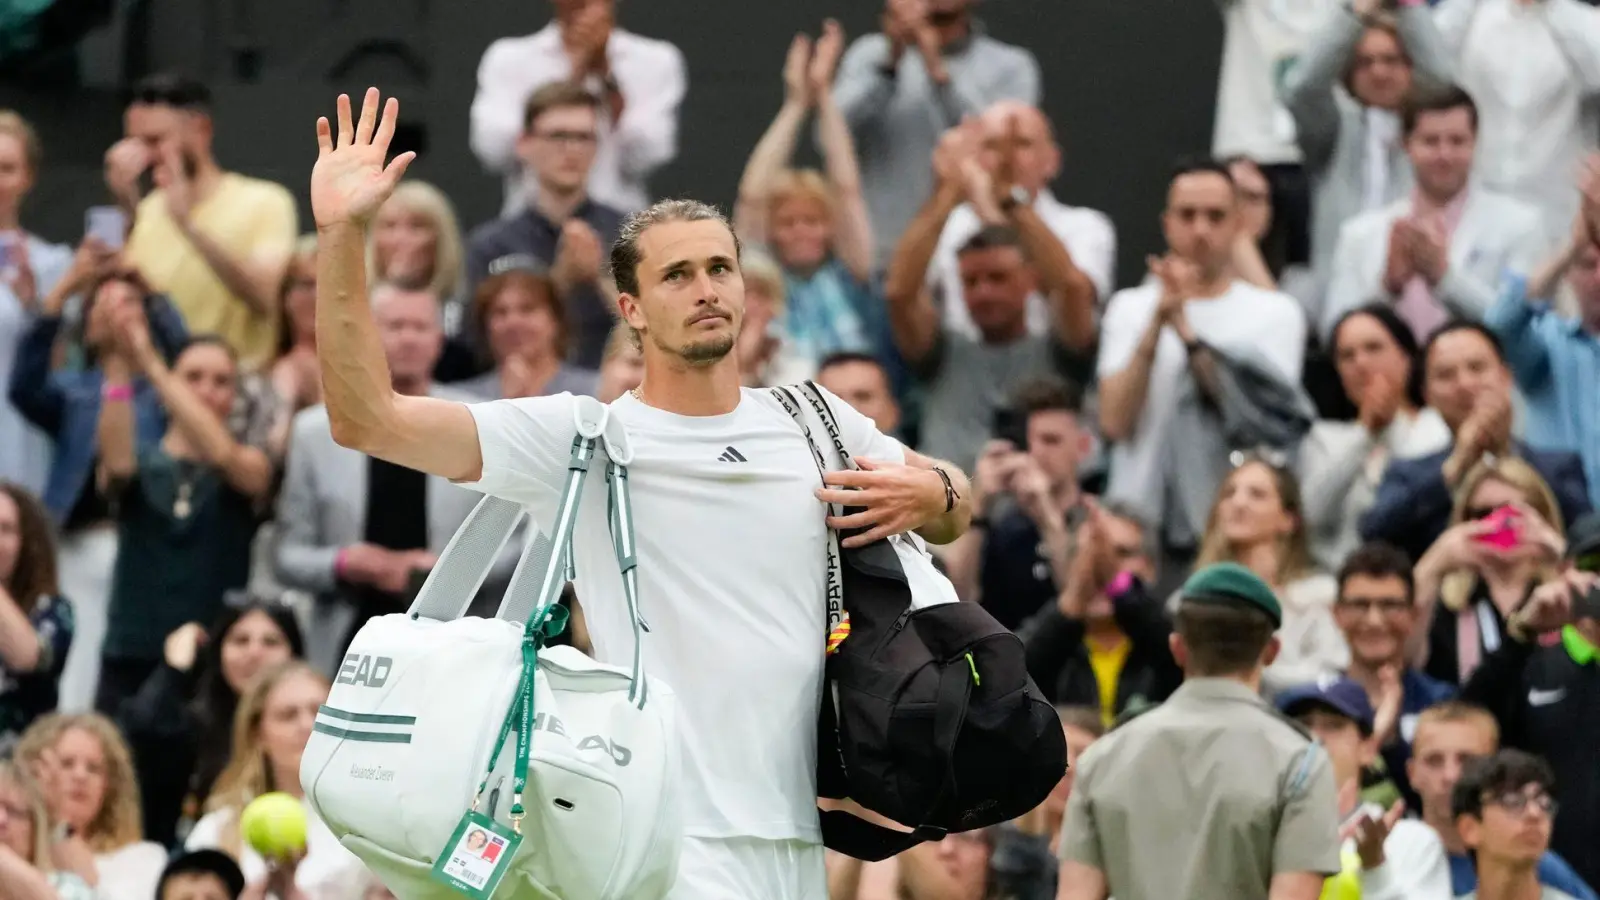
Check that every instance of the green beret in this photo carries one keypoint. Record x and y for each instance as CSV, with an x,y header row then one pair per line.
x,y
1230,584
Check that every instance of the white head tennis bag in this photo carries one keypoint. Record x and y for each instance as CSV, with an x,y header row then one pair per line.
x,y
422,721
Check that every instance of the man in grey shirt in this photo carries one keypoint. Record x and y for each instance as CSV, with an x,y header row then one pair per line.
x,y
901,88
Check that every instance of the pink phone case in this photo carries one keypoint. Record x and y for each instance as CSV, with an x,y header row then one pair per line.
x,y
1504,536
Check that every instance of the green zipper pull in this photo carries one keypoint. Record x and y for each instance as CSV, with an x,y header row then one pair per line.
x,y
974,667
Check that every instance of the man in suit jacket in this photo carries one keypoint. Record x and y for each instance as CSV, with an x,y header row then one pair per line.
x,y
358,532
1468,382
1439,253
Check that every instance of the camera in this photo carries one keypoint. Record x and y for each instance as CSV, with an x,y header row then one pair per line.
x,y
1010,425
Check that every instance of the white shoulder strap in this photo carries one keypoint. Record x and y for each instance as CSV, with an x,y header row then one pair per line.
x,y
835,598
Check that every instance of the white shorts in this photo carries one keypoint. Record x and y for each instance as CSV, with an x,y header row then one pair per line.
x,y
750,869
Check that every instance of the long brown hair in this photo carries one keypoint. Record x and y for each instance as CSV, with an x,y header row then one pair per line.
x,y
37,814
35,576
1294,551
538,285
119,821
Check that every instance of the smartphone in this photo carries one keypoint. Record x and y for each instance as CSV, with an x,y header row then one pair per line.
x,y
1587,604
108,224
1504,533
1010,425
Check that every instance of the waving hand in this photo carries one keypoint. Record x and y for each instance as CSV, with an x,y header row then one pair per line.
x,y
350,180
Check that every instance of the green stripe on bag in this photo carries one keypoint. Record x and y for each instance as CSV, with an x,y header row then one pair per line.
x,y
372,737
366,718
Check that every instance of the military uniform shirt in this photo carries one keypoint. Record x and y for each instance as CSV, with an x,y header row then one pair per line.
x,y
1205,797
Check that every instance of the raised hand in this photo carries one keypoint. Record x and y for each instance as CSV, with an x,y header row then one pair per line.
x,y
830,46
1399,267
1379,403
175,183
579,255
350,181
797,71
124,163
1430,251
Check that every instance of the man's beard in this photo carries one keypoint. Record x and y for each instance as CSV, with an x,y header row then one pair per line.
x,y
701,353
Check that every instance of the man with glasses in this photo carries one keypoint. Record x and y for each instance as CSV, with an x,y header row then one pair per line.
x,y
563,229
1504,806
1543,686
1377,614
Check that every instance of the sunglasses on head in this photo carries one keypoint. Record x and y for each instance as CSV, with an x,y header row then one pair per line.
x,y
1268,456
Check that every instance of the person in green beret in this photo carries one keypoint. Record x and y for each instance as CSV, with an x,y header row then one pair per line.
x,y
1212,795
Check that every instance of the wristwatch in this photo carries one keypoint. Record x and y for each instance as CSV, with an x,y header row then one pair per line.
x,y
1017,196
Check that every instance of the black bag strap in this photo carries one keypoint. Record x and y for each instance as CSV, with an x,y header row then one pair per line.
x,y
856,837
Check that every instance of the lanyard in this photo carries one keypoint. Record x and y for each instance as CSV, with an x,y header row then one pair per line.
x,y
549,624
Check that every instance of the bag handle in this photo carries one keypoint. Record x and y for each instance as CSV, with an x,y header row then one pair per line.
x,y
467,560
835,597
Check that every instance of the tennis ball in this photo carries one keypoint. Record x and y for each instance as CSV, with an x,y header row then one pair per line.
x,y
274,825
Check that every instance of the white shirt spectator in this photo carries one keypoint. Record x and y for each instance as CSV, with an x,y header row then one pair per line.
x,y
1246,319
1086,233
652,77
130,872
1531,68
328,871
25,451
1262,39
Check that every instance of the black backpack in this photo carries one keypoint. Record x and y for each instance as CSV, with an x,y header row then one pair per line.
x,y
928,715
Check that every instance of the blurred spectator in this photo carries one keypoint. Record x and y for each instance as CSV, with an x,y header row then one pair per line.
x,y
767,355
35,620
1542,693
29,269
415,243
1159,351
1258,522
192,495
526,331
26,867
1378,615
377,891
930,66
1211,793
1341,464
565,230
1504,806
861,381
1020,136
1258,254
1556,359
1103,644
1450,736
1534,69
1026,503
180,722
1381,853
622,365
1440,252
66,404
84,774
217,242
640,81
815,226
270,730
1467,381
295,378
201,875
1482,569
967,379
1345,93
358,532
954,868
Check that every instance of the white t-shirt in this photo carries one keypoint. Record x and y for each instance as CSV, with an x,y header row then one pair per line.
x,y
1246,318
731,547
1262,40
328,872
130,872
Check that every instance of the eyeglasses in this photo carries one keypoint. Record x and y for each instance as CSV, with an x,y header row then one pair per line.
x,y
1270,456
1517,803
1388,606
567,138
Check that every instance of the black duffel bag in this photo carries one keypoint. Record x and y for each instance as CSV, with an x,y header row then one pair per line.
x,y
928,715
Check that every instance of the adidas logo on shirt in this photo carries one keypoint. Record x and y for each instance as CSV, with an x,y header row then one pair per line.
x,y
731,455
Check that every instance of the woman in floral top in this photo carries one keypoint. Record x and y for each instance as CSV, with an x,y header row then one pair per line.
x,y
26,865
35,622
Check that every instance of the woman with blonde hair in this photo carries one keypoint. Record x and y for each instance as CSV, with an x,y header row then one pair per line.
x,y
767,357
1258,521
270,730
85,775
815,225
27,869
1505,539
415,243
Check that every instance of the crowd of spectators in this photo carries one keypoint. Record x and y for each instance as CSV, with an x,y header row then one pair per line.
x,y
1365,365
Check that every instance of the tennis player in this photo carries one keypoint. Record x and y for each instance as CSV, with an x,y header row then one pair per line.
x,y
731,536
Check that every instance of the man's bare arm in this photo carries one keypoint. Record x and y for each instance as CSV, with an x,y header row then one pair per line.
x,y
1296,886
1078,881
348,185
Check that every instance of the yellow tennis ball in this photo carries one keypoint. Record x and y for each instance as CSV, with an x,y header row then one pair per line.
x,y
274,825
